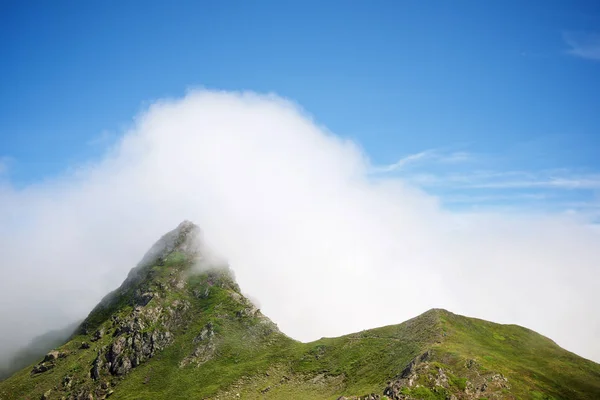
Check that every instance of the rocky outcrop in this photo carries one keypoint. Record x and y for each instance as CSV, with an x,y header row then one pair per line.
x,y
97,366
371,396
97,335
205,347
128,352
42,367
48,362
135,339
423,372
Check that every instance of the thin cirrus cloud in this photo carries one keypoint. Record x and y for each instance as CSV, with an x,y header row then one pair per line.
x,y
512,180
583,45
461,173
326,246
430,156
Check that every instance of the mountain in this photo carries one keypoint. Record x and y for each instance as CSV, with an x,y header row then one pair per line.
x,y
38,345
179,328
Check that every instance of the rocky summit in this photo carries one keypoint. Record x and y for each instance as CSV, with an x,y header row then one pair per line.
x,y
179,328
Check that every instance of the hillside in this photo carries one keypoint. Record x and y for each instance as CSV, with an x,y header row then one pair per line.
x,y
180,328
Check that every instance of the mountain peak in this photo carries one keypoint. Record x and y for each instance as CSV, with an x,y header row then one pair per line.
x,y
185,238
186,224
180,327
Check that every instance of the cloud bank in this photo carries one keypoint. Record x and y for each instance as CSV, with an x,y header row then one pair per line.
x,y
324,246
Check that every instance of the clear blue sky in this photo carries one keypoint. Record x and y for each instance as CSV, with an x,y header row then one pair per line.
x,y
481,102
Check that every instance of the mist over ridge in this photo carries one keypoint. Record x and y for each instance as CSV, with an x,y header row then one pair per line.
x,y
324,245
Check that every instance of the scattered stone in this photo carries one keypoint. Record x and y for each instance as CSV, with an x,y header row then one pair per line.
x,y
66,382
42,367
317,379
51,356
96,366
97,335
478,385
144,299
441,379
84,345
500,381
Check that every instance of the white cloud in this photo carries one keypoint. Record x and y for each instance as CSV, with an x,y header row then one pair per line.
x,y
403,162
591,181
424,157
584,45
323,245
563,180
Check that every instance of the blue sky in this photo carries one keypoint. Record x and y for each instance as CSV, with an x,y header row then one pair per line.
x,y
490,108
486,104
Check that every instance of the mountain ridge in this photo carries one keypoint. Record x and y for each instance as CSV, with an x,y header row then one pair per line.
x,y
169,333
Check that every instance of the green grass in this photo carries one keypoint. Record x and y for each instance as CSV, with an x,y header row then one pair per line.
x,y
426,393
531,362
253,359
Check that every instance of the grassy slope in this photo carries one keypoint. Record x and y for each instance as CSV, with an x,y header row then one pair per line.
x,y
536,366
248,363
256,361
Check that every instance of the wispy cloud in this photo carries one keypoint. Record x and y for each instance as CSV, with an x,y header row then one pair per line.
x,y
403,162
446,175
543,179
431,156
584,182
456,157
584,45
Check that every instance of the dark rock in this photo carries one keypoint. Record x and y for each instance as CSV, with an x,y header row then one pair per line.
x,y
51,356
43,367
129,352
67,381
97,335
96,366
84,345
82,394
143,299
205,334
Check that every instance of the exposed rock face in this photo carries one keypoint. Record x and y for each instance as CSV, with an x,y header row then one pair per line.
x,y
96,367
125,339
423,372
48,362
133,342
184,239
42,367
371,396
205,349
54,355
97,335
